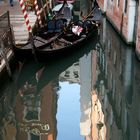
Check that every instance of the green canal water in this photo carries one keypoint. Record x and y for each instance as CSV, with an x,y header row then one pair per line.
x,y
90,94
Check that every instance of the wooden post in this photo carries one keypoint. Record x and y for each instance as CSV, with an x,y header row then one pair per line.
x,y
23,8
12,38
43,8
4,56
32,41
38,13
33,46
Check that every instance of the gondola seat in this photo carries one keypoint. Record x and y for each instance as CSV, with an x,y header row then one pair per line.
x,y
51,26
60,24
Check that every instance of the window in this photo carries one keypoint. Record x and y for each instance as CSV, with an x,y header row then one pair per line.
x,y
118,3
125,8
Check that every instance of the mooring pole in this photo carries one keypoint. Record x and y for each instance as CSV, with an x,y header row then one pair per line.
x,y
43,8
4,56
38,13
27,21
32,42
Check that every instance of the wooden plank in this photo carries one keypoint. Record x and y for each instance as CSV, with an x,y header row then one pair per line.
x,y
21,37
21,33
20,29
3,64
19,42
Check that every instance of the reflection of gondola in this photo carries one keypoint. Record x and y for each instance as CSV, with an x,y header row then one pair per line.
x,y
28,72
44,36
52,68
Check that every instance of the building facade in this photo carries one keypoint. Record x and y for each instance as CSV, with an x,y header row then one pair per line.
x,y
124,16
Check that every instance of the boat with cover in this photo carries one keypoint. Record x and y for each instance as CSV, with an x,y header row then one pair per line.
x,y
73,37
41,40
43,36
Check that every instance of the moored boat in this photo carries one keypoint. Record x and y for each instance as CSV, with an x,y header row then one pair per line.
x,y
75,36
60,39
43,38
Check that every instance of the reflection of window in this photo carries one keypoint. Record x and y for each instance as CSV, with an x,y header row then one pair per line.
x,y
125,8
76,64
34,137
106,68
120,70
138,134
77,5
75,74
67,73
111,117
115,57
114,89
31,115
124,118
109,48
32,109
110,80
118,3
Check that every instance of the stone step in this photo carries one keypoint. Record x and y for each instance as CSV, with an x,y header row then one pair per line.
x,y
20,42
21,33
22,18
20,29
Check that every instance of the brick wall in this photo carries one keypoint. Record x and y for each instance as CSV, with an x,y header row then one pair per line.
x,y
120,18
138,35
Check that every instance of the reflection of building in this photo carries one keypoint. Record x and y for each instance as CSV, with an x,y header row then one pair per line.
x,y
85,96
117,88
138,31
36,114
71,74
125,17
98,97
7,119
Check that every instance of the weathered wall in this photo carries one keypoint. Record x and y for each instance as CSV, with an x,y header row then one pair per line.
x,y
138,35
123,20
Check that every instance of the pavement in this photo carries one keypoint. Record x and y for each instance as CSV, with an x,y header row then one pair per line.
x,y
17,20
5,6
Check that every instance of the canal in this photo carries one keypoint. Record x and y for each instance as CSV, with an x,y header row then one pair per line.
x,y
91,94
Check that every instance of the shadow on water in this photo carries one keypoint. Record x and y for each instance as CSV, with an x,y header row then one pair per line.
x,y
52,68
30,109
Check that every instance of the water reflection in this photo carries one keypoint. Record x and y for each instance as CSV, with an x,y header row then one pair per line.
x,y
112,87
92,94
31,114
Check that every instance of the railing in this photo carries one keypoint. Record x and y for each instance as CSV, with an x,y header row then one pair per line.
x,y
6,40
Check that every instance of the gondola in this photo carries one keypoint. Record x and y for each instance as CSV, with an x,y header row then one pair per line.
x,y
73,37
43,36
59,44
